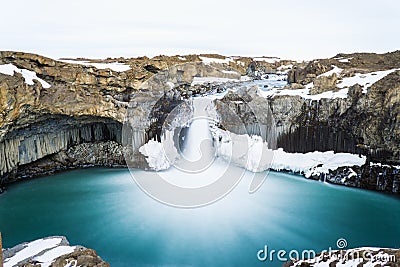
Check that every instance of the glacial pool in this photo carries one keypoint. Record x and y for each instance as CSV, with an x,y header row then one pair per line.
x,y
104,209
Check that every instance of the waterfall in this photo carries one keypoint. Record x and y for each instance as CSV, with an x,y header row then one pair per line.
x,y
198,165
198,146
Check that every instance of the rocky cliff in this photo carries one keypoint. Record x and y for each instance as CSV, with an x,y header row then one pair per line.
x,y
349,103
60,114
51,109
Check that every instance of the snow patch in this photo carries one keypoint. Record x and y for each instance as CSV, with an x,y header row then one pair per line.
x,y
155,155
28,75
345,60
203,80
352,173
210,60
314,163
159,155
285,68
365,80
252,153
31,249
49,256
336,70
115,66
230,72
267,59
249,152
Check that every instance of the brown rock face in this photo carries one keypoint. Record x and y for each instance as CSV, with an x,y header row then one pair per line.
x,y
83,104
84,257
324,83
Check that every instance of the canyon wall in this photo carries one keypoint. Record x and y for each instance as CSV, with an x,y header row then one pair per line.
x,y
74,113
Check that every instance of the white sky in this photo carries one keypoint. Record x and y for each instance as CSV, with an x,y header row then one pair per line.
x,y
286,28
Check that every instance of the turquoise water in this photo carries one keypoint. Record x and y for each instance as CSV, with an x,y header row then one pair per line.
x,y
104,209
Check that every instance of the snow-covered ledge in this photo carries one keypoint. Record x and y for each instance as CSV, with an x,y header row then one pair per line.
x,y
256,157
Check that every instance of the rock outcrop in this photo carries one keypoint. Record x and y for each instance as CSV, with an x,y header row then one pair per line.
x,y
54,251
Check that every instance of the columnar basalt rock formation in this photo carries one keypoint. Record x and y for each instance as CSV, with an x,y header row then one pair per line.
x,y
60,114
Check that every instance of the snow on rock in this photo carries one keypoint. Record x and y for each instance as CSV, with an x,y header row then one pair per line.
x,y
230,72
314,163
267,59
202,80
252,153
284,68
345,60
155,155
34,248
210,60
384,165
249,152
160,155
28,75
336,70
304,93
49,256
365,80
352,173
115,66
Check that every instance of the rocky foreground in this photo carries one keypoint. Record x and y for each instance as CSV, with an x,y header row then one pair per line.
x,y
52,251
62,114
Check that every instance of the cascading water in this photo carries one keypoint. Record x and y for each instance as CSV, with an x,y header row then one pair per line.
x,y
198,145
198,165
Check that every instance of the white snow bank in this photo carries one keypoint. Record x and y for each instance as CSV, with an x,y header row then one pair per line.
x,y
49,256
155,155
345,60
307,162
28,75
33,248
252,153
249,152
160,155
210,60
365,80
115,66
304,93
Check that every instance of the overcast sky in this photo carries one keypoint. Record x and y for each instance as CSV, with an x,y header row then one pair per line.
x,y
284,28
